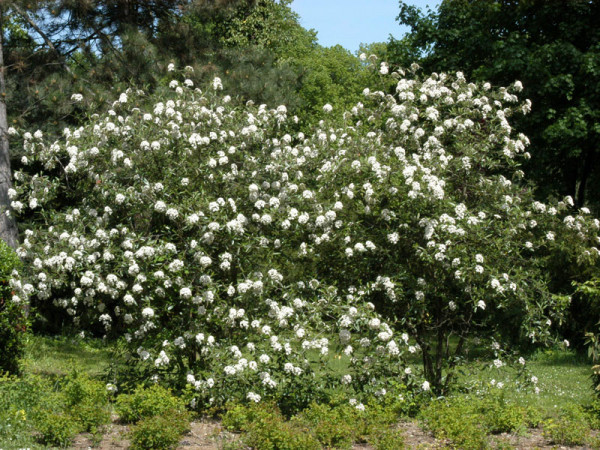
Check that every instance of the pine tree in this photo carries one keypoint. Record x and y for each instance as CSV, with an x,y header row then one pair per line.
x,y
8,226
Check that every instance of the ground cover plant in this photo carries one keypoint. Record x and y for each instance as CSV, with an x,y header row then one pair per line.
x,y
13,319
492,399
318,426
39,410
467,421
225,246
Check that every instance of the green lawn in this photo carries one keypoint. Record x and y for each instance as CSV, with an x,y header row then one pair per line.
x,y
563,375
563,379
58,355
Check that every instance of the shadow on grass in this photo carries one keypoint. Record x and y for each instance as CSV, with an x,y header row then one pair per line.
x,y
55,356
558,357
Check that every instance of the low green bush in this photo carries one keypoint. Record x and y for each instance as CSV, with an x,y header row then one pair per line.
x,y
87,401
20,398
13,319
146,403
13,425
90,417
467,420
56,428
502,416
160,431
333,427
318,426
570,428
80,388
387,439
270,431
275,434
238,417
456,420
53,413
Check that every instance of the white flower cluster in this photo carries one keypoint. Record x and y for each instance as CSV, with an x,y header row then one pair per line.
x,y
219,227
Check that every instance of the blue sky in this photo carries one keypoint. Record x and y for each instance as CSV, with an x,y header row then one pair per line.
x,y
351,22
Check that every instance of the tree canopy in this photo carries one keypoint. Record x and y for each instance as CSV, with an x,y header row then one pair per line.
x,y
552,47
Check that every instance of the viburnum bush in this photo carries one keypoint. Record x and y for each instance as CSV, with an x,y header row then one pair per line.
x,y
235,252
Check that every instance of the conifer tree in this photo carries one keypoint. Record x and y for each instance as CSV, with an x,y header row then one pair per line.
x,y
8,226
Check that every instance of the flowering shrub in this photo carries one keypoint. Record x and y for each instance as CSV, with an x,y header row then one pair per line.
x,y
235,253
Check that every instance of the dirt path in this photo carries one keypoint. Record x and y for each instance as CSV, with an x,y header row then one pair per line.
x,y
205,435
209,435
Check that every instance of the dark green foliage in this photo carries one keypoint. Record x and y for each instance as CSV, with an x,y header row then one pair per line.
x,y
331,75
315,74
552,47
267,24
254,73
13,319
97,48
586,316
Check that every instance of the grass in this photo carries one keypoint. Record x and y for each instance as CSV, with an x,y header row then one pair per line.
x,y
563,380
564,376
56,356
48,359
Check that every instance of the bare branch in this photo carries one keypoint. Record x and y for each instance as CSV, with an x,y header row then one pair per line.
x,y
44,36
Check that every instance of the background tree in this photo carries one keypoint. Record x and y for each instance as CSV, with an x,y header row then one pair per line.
x,y
325,74
57,47
8,226
552,47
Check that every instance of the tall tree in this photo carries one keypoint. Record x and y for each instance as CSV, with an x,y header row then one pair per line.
x,y
553,47
97,47
8,225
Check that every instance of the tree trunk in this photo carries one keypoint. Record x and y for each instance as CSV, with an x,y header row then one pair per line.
x,y
588,164
8,225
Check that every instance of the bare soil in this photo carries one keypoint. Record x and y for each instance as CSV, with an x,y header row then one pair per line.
x,y
209,435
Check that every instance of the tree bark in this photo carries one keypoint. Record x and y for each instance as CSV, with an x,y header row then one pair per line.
x,y
8,225
586,171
